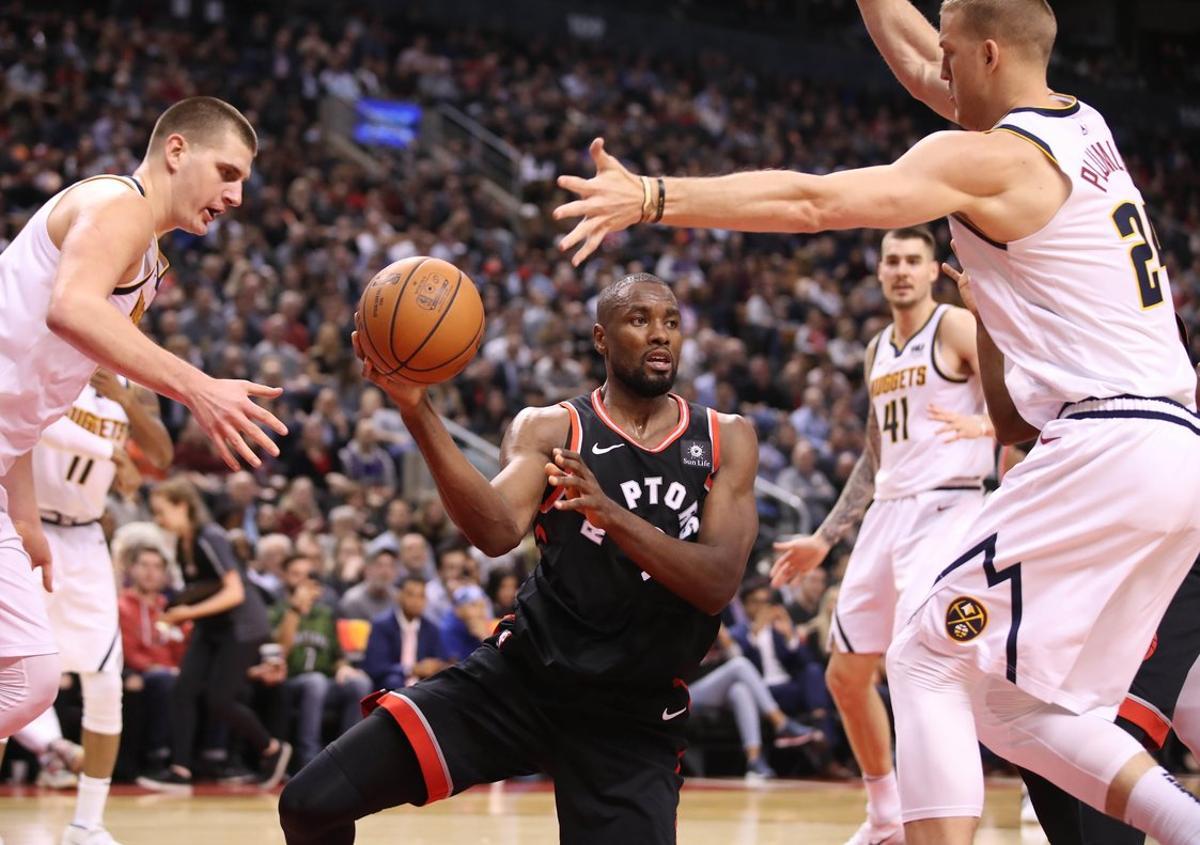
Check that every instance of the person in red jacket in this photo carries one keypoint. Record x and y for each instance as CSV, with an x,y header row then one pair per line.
x,y
153,651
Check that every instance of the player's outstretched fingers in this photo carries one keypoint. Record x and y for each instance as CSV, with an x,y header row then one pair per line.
x,y
589,246
248,427
580,233
576,185
243,448
219,442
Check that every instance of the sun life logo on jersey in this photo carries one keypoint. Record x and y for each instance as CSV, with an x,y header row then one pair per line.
x,y
696,454
965,619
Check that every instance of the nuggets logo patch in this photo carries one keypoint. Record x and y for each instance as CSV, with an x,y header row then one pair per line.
x,y
965,619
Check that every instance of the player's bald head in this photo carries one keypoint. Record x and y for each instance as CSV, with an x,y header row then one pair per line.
x,y
1028,26
622,293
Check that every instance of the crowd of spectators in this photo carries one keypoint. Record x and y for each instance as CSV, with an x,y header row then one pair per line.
x,y
343,527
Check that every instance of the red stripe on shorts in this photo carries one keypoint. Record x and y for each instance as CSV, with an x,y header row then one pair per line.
x,y
1151,722
412,722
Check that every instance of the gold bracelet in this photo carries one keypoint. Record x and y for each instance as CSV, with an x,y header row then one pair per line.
x,y
662,200
647,200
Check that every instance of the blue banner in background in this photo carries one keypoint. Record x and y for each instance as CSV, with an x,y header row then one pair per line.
x,y
386,123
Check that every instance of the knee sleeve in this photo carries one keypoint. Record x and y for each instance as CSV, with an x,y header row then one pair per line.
x,y
28,685
1081,753
937,751
369,768
101,702
37,736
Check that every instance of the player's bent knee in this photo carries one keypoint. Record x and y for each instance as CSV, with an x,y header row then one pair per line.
x,y
28,686
101,702
849,678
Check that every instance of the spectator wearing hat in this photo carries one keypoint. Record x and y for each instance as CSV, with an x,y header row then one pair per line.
x,y
470,622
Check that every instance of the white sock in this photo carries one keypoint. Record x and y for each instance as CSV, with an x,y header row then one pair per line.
x,y
1162,808
883,798
89,804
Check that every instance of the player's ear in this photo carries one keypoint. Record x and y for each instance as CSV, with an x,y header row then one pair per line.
x,y
174,149
991,53
598,339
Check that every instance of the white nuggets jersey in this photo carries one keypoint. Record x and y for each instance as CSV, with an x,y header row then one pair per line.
x,y
1082,308
72,463
904,382
40,373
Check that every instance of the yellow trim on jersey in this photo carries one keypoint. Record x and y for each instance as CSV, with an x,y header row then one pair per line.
x,y
133,286
1044,149
1073,102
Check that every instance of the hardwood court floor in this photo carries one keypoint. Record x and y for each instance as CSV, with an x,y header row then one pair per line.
x,y
712,812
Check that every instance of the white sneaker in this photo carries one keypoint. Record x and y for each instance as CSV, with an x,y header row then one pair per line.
x,y
55,770
74,835
873,834
1028,814
56,778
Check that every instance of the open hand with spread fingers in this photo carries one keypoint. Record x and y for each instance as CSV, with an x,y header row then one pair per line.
x,y
612,200
959,426
582,491
226,411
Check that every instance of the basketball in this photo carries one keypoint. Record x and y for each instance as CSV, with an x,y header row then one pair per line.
x,y
420,318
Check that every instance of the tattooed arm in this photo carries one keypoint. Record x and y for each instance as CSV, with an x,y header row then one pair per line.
x,y
804,553
859,489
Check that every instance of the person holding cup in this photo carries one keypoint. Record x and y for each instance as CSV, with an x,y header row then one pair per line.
x,y
230,623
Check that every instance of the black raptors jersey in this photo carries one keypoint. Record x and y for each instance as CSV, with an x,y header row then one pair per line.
x,y
588,611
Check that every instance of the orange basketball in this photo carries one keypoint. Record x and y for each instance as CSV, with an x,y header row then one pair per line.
x,y
420,318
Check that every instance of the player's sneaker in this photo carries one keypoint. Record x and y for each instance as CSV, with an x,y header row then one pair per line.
x,y
878,834
274,766
75,835
57,766
167,780
759,770
794,734
56,777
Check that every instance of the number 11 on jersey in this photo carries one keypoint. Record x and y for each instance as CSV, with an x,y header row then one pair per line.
x,y
78,471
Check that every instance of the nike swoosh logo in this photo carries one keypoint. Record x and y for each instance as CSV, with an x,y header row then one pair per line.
x,y
596,450
1045,439
940,508
668,716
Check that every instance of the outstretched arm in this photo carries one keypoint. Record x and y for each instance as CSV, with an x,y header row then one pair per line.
x,y
105,237
706,573
1003,183
909,45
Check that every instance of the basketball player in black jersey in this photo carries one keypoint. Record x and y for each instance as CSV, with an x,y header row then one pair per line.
x,y
643,508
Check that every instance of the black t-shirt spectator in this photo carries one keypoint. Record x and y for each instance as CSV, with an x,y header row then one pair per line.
x,y
212,557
